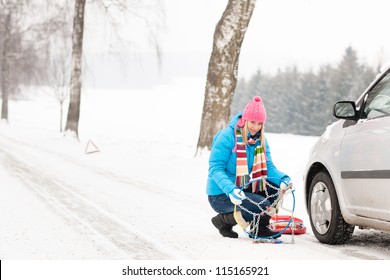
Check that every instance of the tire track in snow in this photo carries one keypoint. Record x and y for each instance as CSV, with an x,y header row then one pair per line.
x,y
134,182
349,251
81,210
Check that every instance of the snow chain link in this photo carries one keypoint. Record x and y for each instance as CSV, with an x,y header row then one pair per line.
x,y
275,206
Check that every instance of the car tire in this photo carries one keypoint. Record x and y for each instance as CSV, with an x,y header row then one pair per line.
x,y
326,219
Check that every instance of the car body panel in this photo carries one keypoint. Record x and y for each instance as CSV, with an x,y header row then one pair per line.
x,y
365,168
356,154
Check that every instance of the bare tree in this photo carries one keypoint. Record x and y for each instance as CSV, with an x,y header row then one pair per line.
x,y
122,8
75,78
24,39
10,48
5,66
59,83
223,67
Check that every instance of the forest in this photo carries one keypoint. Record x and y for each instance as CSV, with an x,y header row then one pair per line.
x,y
297,102
302,102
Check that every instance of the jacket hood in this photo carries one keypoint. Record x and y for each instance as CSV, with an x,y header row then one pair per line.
x,y
233,121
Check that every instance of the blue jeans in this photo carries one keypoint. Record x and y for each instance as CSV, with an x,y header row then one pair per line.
x,y
221,203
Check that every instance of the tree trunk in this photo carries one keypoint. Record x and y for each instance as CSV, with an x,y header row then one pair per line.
x,y
75,80
5,68
223,67
61,114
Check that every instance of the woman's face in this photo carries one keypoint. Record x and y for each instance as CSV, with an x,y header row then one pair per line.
x,y
254,127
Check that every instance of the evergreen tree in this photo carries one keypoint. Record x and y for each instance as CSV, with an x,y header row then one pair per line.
x,y
302,103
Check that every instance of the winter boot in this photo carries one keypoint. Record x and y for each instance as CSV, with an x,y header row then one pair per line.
x,y
263,230
224,223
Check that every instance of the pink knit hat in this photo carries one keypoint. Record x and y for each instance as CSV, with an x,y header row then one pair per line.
x,y
254,111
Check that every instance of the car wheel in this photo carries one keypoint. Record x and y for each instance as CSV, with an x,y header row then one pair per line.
x,y
326,220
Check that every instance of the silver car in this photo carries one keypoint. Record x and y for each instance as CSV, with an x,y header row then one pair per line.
x,y
347,178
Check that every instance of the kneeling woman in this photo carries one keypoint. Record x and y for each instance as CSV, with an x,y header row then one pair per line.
x,y
240,152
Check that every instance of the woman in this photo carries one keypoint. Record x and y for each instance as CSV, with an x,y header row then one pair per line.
x,y
234,160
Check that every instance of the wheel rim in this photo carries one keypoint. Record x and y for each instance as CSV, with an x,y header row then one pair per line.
x,y
321,208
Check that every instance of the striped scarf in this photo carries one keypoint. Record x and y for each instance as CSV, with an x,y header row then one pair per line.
x,y
259,168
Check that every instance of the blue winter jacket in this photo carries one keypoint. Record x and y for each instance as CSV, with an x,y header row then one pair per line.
x,y
222,162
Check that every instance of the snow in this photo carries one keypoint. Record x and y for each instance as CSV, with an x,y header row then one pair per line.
x,y
142,195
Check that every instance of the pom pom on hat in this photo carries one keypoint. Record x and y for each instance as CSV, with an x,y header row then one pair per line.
x,y
254,111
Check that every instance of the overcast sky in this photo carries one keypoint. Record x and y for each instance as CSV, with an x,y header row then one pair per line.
x,y
281,33
286,32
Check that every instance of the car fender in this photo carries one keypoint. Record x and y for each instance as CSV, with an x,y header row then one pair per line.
x,y
324,155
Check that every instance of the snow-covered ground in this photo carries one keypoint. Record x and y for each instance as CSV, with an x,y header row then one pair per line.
x,y
142,195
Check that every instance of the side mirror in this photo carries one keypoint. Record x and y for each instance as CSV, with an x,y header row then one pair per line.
x,y
345,110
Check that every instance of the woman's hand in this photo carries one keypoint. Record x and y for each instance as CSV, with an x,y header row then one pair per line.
x,y
237,196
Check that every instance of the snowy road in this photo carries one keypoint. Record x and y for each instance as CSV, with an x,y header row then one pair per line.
x,y
57,204
57,187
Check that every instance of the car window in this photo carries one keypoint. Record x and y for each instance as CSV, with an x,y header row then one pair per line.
x,y
378,99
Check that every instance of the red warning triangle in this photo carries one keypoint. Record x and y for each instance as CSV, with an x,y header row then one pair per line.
x,y
91,148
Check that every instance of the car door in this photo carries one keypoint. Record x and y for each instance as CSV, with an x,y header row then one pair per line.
x,y
365,156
